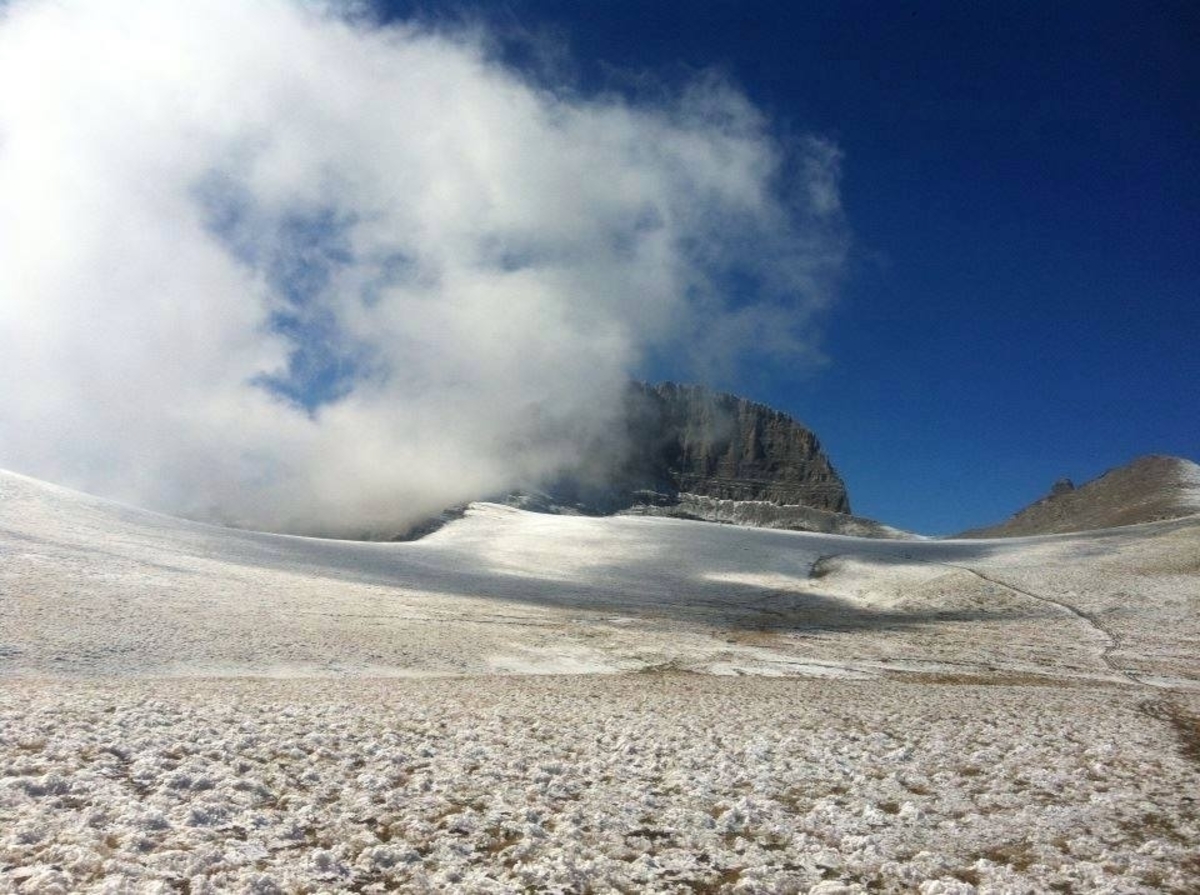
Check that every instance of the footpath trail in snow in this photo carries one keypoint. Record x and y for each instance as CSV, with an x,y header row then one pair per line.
x,y
1113,640
568,704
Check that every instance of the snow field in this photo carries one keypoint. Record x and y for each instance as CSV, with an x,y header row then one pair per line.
x,y
628,783
92,588
505,706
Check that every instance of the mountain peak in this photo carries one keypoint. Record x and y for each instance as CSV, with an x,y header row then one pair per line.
x,y
1147,489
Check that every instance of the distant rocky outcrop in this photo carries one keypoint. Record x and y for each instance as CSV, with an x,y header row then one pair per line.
x,y
686,439
673,439
1146,490
685,451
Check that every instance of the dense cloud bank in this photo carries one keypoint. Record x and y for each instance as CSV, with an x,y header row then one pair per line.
x,y
284,266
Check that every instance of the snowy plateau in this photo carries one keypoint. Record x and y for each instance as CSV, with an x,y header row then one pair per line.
x,y
534,703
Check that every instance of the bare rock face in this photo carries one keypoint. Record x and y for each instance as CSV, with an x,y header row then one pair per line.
x,y
688,452
686,439
1146,490
1062,486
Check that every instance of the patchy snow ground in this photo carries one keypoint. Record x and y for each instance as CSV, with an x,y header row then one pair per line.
x,y
189,708
632,783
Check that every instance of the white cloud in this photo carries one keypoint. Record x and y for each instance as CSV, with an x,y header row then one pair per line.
x,y
213,213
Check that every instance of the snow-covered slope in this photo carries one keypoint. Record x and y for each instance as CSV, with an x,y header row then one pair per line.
x,y
764,514
194,709
93,587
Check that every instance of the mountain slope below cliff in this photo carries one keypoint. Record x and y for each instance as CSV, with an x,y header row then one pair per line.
x,y
765,514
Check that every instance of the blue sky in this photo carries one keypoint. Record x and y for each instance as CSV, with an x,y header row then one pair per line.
x,y
298,270
1023,185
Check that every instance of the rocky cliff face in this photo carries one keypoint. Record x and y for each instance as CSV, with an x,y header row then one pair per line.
x,y
689,452
688,439
1146,490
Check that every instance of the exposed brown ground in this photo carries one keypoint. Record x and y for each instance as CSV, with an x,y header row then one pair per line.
x,y
1147,490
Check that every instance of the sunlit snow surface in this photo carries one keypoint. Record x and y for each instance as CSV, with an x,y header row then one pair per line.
x,y
188,708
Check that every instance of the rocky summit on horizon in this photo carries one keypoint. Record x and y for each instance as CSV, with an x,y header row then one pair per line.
x,y
687,439
690,452
1149,489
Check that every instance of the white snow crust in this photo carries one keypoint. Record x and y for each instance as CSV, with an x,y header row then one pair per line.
x,y
528,702
1189,475
635,783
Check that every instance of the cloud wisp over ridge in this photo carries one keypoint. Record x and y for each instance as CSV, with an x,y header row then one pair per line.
x,y
279,265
